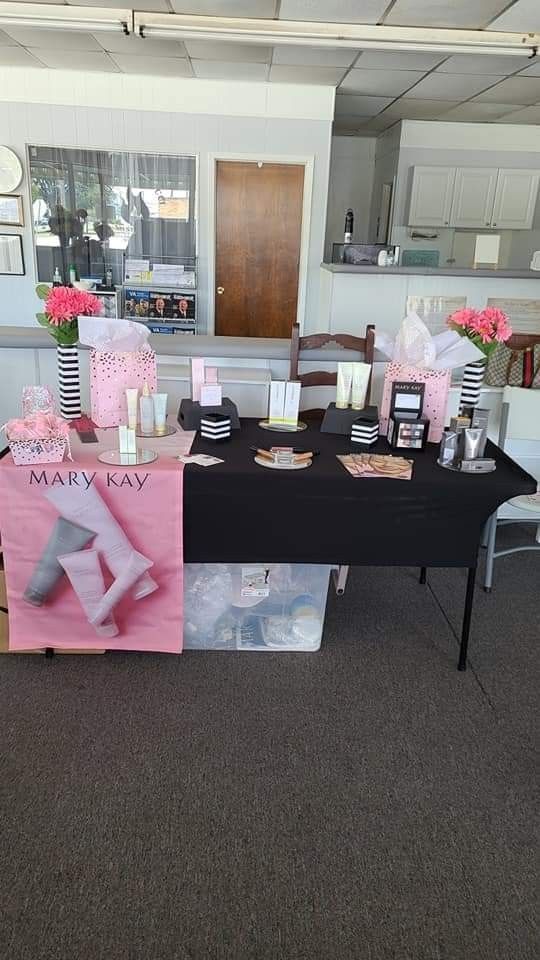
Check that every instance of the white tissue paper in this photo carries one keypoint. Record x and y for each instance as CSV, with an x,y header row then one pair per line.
x,y
113,336
416,347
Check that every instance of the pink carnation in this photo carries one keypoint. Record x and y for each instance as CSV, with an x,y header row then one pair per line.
x,y
462,318
489,326
64,304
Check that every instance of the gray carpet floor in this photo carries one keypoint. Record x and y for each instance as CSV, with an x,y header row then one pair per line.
x,y
365,802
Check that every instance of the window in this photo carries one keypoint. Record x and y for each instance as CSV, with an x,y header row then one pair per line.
x,y
93,208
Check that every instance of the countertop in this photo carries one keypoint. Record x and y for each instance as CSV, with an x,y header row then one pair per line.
x,y
433,271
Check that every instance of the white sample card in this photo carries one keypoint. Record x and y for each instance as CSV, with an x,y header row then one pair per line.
x,y
486,248
210,395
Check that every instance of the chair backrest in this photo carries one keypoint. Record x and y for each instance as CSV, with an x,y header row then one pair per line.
x,y
520,415
365,346
521,341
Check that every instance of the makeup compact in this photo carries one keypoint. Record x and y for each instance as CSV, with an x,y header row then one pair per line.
x,y
407,428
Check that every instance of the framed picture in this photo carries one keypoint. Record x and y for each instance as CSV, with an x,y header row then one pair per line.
x,y
11,255
11,210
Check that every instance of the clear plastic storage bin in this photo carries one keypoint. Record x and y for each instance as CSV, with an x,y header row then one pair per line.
x,y
254,606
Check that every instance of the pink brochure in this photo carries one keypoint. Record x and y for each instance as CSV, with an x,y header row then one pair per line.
x,y
138,508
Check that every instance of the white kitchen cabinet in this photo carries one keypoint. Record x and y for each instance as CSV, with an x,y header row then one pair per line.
x,y
474,195
515,199
431,196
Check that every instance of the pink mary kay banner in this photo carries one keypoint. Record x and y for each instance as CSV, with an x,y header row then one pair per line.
x,y
146,502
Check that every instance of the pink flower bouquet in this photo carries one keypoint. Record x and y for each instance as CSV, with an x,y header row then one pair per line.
x,y
486,328
62,307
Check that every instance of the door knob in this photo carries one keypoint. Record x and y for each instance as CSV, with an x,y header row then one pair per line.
x,y
221,290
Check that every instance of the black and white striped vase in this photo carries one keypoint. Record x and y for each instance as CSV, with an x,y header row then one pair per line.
x,y
69,381
473,378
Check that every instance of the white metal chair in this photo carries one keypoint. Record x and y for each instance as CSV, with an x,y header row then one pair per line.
x,y
519,436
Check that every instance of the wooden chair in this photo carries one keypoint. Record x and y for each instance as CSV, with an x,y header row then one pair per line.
x,y
323,378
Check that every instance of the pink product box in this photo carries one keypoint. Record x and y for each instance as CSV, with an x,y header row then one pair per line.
x,y
110,375
435,395
48,450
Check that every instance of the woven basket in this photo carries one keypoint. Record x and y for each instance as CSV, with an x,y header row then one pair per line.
x,y
49,450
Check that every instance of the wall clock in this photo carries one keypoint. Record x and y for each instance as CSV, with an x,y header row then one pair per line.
x,y
10,170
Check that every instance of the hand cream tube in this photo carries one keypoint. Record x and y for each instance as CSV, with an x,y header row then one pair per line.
x,y
160,411
344,378
84,573
88,507
131,399
135,567
360,380
65,536
473,442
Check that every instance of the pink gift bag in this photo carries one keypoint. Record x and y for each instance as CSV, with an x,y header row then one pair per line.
x,y
110,374
435,397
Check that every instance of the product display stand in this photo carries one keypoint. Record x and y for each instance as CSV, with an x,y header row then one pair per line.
x,y
190,413
341,421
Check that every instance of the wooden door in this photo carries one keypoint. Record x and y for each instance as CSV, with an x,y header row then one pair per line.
x,y
258,228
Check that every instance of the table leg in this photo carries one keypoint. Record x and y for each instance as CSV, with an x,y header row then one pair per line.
x,y
423,575
467,613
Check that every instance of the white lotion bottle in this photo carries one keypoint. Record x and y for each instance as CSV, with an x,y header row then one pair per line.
x,y
146,407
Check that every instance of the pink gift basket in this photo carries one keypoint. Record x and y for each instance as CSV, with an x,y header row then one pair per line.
x,y
435,397
48,450
110,374
38,438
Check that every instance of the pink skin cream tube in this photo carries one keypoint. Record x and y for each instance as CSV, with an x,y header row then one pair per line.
x,y
87,508
84,573
135,567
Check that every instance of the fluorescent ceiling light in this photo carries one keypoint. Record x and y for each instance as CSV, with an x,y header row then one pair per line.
x,y
348,35
48,16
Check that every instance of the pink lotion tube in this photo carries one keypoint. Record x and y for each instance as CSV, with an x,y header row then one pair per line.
x,y
133,570
87,507
84,573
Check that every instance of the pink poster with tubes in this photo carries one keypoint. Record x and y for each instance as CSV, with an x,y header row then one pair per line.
x,y
93,555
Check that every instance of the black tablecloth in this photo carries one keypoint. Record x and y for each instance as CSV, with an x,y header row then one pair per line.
x,y
238,511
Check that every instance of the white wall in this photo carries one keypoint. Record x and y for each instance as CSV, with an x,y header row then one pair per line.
x,y
386,167
174,116
352,164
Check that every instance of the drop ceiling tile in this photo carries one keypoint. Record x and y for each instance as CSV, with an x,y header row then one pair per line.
x,y
153,66
17,57
333,11
151,6
382,83
525,115
220,70
77,60
470,63
474,110
328,76
524,90
467,14
53,39
524,15
419,109
293,56
360,106
225,8
406,60
378,124
118,43
448,86
532,69
228,52
6,41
